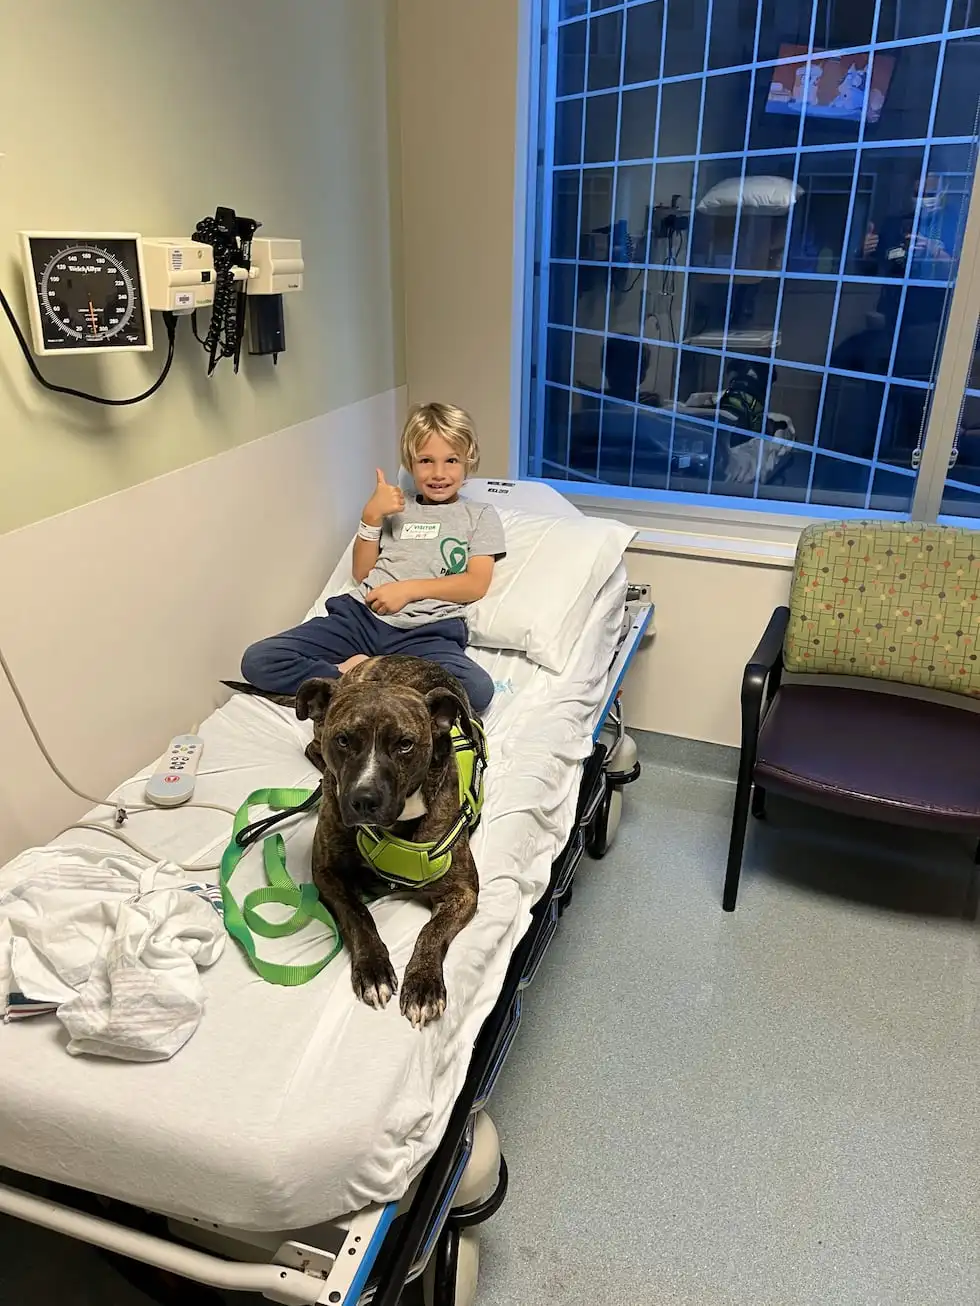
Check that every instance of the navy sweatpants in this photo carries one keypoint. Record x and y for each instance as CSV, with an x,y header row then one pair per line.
x,y
280,664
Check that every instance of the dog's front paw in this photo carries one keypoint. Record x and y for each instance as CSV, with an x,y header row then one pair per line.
x,y
374,979
423,997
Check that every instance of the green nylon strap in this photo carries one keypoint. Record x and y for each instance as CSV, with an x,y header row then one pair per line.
x,y
245,921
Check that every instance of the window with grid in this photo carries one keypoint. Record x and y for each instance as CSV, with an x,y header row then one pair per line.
x,y
748,224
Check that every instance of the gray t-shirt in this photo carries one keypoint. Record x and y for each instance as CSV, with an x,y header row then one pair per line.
x,y
429,540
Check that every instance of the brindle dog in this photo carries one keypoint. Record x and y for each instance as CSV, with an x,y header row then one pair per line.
x,y
381,738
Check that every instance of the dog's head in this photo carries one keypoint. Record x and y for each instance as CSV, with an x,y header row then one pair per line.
x,y
377,741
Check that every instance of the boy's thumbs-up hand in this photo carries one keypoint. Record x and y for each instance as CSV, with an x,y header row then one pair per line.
x,y
386,500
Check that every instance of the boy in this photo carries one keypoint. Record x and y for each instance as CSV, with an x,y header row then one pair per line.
x,y
417,563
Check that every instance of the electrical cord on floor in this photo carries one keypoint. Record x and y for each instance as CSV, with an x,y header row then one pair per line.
x,y
170,321
122,810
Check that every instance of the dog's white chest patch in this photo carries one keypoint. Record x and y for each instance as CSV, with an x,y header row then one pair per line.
x,y
414,807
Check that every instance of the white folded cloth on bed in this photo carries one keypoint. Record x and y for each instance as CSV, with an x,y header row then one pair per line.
x,y
113,944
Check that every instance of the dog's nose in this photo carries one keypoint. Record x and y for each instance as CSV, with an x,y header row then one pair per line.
x,y
365,804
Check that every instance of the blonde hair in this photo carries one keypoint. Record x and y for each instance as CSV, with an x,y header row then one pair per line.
x,y
454,425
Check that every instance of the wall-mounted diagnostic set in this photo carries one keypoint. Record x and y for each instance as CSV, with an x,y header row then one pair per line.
x,y
95,292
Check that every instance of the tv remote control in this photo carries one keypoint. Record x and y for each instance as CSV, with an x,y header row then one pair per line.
x,y
173,781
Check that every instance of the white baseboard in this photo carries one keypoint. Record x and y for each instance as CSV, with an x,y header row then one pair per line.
x,y
120,617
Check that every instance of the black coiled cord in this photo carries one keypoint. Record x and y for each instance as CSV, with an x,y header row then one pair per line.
x,y
230,238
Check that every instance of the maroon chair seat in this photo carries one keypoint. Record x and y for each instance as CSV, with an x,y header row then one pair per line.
x,y
880,755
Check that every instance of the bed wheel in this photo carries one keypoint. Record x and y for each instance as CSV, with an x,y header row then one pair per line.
x,y
451,1275
606,822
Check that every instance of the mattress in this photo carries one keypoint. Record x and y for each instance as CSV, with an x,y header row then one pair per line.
x,y
290,1106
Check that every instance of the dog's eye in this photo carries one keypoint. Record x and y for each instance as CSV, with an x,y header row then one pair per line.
x,y
342,741
405,745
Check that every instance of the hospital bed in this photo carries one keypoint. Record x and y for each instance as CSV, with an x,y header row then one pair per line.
x,y
302,1145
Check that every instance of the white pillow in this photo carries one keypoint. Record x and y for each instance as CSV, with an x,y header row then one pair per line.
x,y
541,592
761,194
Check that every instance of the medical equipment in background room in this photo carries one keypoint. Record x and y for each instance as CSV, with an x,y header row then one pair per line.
x,y
95,293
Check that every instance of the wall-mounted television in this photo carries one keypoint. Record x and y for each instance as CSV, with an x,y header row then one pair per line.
x,y
831,86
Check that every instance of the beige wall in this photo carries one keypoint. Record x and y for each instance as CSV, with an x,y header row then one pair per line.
x,y
457,72
140,115
710,615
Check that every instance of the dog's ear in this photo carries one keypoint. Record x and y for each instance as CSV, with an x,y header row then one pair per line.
x,y
313,699
444,708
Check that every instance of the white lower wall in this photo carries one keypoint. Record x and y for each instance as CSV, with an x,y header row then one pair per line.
x,y
710,615
120,617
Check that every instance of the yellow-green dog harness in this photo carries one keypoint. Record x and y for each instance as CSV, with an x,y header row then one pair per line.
x,y
407,864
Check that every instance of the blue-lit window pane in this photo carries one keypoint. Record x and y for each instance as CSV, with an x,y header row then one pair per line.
x,y
901,19
555,434
726,103
904,79
732,34
891,492
626,301
600,127
957,106
961,497
805,321
918,333
630,214
596,223
794,404
902,424
561,300
865,327
583,442
839,483
644,29
559,361
783,23
623,363
639,123
852,410
605,50
680,109
568,131
686,27
571,59
763,324
593,291
616,442
564,215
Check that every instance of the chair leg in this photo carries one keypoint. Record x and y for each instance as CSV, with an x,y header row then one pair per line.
x,y
740,818
758,802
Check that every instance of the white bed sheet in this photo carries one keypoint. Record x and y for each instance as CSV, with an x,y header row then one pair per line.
x,y
291,1106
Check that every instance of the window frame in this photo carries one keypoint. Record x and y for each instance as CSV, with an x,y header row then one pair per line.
x,y
650,509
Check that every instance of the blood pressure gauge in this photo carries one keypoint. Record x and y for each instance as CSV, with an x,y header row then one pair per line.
x,y
85,292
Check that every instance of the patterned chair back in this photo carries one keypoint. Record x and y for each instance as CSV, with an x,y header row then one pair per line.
x,y
896,601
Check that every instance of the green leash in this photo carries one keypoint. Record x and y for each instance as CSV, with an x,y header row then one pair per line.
x,y
243,922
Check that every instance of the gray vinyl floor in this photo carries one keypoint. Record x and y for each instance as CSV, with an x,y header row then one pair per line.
x,y
774,1108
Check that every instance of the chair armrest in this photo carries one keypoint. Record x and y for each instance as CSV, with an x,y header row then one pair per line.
x,y
769,653
761,678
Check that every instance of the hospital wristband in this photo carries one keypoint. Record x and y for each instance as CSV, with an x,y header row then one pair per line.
x,y
366,532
